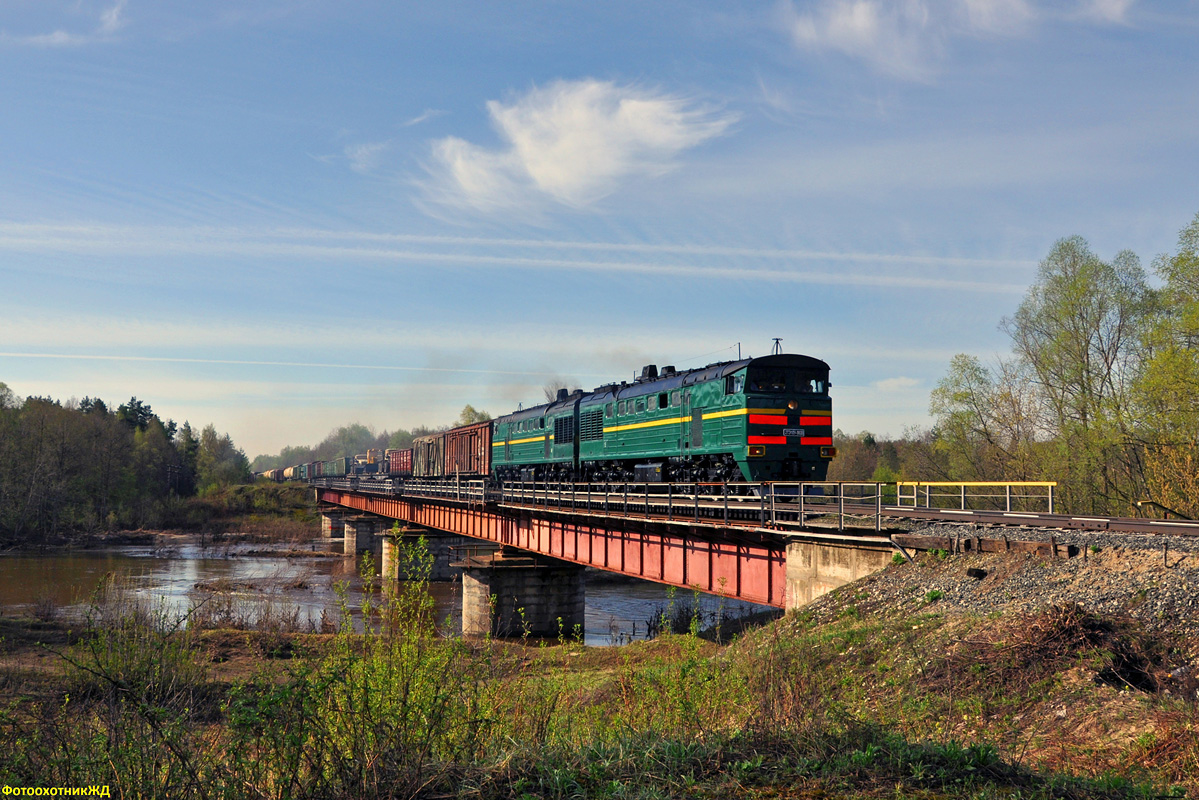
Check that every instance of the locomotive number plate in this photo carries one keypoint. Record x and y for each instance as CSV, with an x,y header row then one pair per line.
x,y
792,431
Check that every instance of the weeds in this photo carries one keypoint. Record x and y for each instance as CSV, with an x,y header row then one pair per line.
x,y
401,711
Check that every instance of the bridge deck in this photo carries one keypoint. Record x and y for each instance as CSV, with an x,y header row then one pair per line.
x,y
728,539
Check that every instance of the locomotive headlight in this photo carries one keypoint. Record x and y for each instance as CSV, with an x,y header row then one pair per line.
x,y
793,405
757,450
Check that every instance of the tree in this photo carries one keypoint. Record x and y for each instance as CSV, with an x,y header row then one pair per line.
x,y
400,440
90,405
7,398
1078,333
135,413
219,463
1167,390
187,444
469,416
552,387
985,422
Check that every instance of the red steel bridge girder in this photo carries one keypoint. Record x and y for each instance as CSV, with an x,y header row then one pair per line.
x,y
751,569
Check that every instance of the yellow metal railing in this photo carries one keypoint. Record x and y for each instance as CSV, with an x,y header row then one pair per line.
x,y
1009,496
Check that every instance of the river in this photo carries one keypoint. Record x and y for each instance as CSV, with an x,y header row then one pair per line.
x,y
292,583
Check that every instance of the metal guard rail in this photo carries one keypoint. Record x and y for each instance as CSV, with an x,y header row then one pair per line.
x,y
824,503
970,495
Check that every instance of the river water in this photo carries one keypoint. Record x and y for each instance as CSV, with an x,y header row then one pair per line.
x,y
297,583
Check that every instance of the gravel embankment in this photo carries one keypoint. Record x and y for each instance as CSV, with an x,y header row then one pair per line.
x,y
1127,575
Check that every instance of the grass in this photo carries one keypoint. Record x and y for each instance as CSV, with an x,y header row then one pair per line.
x,y
872,706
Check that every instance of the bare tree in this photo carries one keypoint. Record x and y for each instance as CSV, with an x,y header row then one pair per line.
x,y
552,386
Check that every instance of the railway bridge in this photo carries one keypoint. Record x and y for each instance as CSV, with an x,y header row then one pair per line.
x,y
524,546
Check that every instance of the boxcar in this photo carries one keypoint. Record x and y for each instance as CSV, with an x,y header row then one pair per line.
x,y
399,462
337,468
428,456
468,450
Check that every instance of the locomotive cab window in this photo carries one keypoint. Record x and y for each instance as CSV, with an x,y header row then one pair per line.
x,y
809,383
734,384
767,380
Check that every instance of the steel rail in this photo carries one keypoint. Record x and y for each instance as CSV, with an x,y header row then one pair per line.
x,y
723,505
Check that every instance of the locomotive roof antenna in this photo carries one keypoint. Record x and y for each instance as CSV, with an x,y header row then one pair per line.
x,y
738,351
778,347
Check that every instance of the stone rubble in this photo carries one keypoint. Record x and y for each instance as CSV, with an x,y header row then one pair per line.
x,y
1154,580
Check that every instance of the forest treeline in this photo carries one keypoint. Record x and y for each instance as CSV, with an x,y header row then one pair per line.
x,y
1099,392
85,467
350,440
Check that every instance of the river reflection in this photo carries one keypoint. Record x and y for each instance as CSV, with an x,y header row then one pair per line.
x,y
301,585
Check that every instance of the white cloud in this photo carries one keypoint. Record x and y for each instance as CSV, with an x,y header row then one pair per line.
x,y
997,16
572,142
110,19
893,36
1111,11
895,384
428,114
902,38
109,23
366,157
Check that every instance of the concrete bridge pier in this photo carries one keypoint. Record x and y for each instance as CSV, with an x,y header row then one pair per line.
x,y
817,567
360,534
333,525
441,549
509,593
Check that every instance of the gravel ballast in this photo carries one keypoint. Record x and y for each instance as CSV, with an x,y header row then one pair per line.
x,y
1151,579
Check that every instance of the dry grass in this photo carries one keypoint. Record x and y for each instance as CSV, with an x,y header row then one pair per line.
x,y
882,705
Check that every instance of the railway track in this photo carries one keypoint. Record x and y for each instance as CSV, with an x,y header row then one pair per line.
x,y
1046,520
844,507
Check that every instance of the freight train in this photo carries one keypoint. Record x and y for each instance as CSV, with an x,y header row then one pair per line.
x,y
755,419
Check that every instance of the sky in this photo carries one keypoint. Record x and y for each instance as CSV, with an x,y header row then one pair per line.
x,y
283,217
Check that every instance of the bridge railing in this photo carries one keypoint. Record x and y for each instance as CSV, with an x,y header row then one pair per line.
x,y
1008,496
830,504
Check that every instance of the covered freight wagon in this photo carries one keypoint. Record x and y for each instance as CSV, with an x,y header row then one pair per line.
x,y
399,462
468,450
428,456
337,468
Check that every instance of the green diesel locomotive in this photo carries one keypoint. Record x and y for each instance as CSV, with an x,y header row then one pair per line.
x,y
759,419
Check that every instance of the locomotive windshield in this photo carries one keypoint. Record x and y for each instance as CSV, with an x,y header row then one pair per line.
x,y
776,380
767,380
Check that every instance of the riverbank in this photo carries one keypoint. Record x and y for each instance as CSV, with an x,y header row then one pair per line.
x,y
261,512
920,681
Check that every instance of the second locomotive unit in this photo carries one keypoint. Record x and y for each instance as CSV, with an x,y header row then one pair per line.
x,y
759,419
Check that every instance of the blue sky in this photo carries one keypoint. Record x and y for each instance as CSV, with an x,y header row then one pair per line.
x,y
281,217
